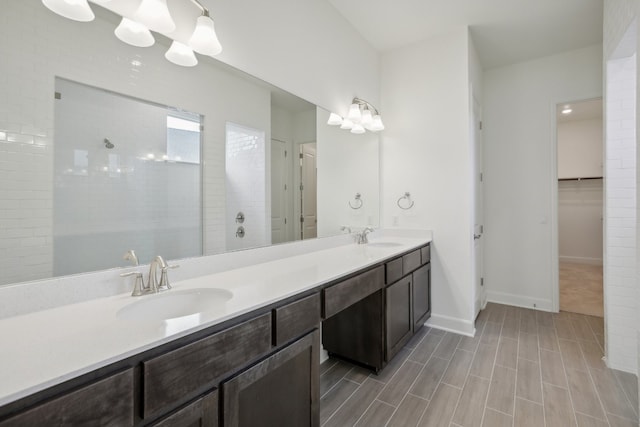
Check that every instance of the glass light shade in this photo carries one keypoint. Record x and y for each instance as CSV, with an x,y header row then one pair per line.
x,y
377,124
77,10
354,113
357,128
181,54
134,33
154,14
346,124
367,118
204,39
334,119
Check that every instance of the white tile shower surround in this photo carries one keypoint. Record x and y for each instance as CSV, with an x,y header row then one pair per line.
x,y
54,47
261,277
620,205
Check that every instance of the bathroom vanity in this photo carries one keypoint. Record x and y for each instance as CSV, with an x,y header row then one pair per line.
x,y
252,360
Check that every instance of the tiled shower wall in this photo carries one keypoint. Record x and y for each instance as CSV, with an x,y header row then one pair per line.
x,y
619,15
620,241
127,195
37,46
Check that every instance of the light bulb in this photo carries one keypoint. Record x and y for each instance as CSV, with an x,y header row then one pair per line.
x,y
367,118
377,124
334,120
77,10
204,39
154,14
354,113
181,54
346,124
134,33
357,128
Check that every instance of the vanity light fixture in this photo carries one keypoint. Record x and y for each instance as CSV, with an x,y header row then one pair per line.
x,y
181,54
134,33
151,15
361,116
77,10
567,109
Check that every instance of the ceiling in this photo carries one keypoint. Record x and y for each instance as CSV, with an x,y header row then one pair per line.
x,y
583,110
504,31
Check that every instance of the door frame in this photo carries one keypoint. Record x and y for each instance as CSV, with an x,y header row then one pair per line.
x,y
554,250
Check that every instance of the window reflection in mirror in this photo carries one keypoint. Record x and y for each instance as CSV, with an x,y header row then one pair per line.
x,y
127,176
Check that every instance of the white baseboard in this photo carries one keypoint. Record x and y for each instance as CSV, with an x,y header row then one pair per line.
x,y
620,367
519,300
451,324
580,260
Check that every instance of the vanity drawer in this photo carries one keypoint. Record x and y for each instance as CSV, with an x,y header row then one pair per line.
x,y
188,370
350,291
294,319
393,270
426,254
411,261
108,402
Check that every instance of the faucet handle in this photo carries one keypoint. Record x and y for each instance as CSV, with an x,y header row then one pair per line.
x,y
138,283
164,277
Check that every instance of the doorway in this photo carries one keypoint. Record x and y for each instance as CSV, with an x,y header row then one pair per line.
x,y
579,135
308,191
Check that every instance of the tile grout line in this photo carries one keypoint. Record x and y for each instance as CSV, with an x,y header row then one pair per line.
x,y
493,367
344,402
515,391
566,376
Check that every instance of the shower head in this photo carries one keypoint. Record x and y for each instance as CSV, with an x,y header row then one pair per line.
x,y
108,144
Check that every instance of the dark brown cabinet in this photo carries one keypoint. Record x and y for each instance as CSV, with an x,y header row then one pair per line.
x,y
280,391
421,296
201,413
107,402
399,322
371,331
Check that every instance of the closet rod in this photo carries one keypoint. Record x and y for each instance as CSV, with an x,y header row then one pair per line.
x,y
579,179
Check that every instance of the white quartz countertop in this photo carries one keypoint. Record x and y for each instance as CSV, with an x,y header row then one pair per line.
x,y
48,347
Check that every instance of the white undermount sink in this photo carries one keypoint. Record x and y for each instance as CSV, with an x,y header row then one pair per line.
x,y
384,244
174,304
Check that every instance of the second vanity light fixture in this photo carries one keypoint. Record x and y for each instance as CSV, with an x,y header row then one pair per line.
x,y
361,116
151,15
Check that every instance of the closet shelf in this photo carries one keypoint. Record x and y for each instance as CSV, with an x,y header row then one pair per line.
x,y
580,179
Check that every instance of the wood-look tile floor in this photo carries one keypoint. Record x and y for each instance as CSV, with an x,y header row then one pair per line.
x,y
523,368
581,289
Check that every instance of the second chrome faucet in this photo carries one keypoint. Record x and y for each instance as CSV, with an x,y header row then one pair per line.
x,y
157,280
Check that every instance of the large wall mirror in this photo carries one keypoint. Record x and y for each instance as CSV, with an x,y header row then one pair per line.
x,y
105,147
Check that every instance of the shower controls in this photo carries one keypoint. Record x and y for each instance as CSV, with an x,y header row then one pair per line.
x,y
240,232
240,218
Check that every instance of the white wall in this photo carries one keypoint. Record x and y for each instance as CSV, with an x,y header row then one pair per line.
x,y
519,156
304,47
580,148
425,150
347,164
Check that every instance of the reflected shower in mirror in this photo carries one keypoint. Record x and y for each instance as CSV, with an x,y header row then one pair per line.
x,y
126,175
45,232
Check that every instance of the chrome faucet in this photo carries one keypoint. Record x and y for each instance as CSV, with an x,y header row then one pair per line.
x,y
154,283
361,237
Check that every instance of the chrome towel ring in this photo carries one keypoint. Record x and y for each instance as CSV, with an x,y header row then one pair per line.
x,y
358,202
408,204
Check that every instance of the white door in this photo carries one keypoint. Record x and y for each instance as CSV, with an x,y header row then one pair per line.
x,y
478,228
308,191
279,191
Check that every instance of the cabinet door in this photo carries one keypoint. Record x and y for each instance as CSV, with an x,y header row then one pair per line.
x,y
201,413
398,315
421,296
281,391
108,402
